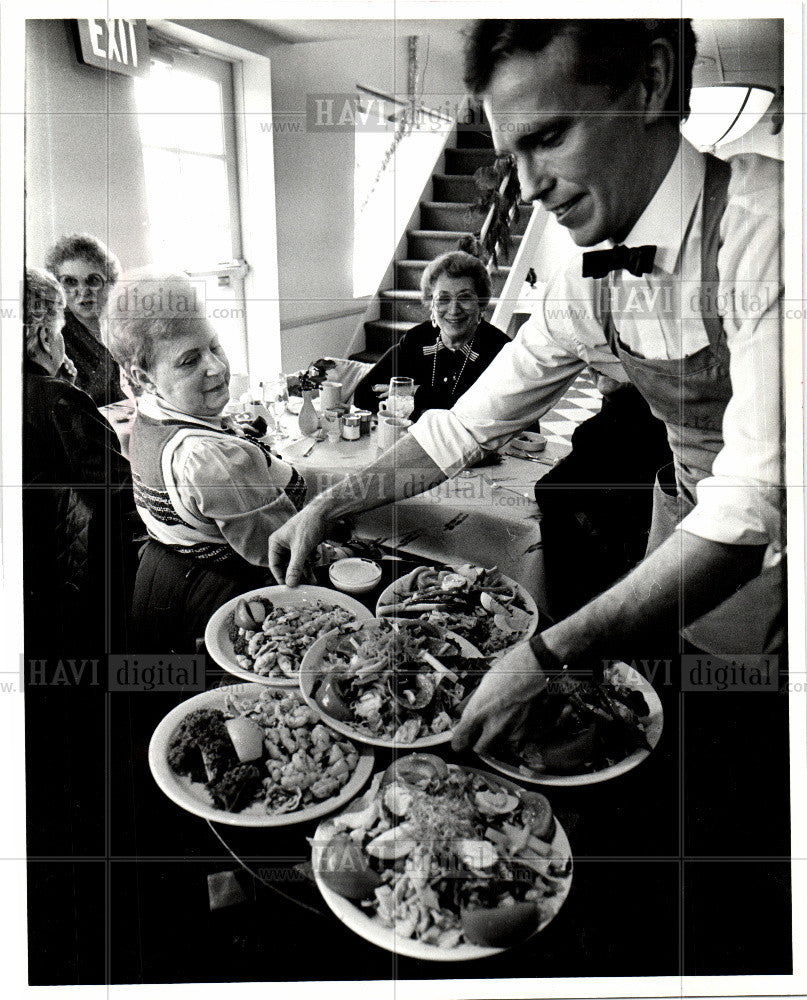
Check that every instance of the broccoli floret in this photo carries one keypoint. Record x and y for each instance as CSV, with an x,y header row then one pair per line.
x,y
201,746
235,788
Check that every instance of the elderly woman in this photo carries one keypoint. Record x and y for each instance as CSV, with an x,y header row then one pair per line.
x,y
446,354
70,468
209,495
87,271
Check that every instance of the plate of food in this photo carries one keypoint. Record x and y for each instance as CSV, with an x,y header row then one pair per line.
x,y
442,862
254,755
581,731
482,605
263,635
391,682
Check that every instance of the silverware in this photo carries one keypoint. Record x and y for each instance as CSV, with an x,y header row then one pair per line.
x,y
540,459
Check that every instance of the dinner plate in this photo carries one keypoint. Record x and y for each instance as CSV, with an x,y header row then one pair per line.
x,y
398,589
655,724
194,797
373,930
217,634
313,668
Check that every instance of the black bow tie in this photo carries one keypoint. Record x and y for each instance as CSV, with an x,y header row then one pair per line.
x,y
637,260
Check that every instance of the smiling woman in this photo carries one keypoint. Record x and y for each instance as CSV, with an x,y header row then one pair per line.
x,y
208,495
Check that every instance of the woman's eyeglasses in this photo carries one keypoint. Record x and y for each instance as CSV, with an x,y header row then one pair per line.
x,y
465,300
93,281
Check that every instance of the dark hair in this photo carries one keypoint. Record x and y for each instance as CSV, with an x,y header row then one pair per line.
x,y
90,248
611,51
457,264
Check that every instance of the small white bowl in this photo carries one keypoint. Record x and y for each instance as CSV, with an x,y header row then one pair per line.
x,y
529,441
354,575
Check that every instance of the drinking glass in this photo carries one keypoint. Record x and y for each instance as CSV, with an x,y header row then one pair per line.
x,y
401,399
276,396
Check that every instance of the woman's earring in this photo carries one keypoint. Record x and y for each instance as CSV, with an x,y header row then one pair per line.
x,y
435,324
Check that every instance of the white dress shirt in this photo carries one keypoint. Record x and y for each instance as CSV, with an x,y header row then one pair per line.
x,y
658,316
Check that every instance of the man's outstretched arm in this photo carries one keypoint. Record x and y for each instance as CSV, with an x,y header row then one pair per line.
x,y
403,471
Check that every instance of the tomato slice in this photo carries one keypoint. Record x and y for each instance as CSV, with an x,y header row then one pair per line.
x,y
500,926
345,869
416,769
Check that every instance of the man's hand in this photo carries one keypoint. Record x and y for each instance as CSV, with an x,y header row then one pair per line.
x,y
502,700
290,546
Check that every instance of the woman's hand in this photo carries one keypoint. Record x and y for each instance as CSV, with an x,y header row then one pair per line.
x,y
502,700
68,370
381,390
290,546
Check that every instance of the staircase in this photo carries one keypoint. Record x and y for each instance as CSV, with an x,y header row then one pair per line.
x,y
443,220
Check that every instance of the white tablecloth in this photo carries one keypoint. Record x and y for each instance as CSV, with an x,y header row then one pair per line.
x,y
487,516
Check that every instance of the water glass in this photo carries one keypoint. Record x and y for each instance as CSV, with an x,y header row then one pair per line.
x,y
401,399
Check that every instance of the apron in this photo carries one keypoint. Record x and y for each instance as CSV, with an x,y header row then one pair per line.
x,y
690,395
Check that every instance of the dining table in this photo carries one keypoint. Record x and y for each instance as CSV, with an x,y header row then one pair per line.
x,y
486,514
681,865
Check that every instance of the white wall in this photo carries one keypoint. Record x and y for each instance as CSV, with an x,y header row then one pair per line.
x,y
314,177
84,165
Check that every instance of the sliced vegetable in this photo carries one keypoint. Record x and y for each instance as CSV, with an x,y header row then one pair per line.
x,y
416,769
345,869
392,844
500,926
247,737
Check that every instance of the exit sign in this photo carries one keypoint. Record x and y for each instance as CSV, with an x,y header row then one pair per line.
x,y
117,44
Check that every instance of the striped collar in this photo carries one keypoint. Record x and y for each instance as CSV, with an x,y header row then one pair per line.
x,y
430,349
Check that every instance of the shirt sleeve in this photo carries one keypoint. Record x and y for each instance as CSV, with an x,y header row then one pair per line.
x,y
741,502
521,383
228,481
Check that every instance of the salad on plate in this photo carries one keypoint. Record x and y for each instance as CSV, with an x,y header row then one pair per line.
x,y
482,605
392,681
440,857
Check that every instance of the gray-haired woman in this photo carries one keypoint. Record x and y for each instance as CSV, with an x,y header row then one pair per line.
x,y
87,271
446,354
208,495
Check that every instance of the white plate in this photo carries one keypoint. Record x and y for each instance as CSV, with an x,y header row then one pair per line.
x,y
371,928
398,590
219,644
312,669
626,675
194,797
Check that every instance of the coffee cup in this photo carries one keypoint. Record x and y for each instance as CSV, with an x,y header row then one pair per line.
x,y
390,428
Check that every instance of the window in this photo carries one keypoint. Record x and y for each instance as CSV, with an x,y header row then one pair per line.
x,y
187,128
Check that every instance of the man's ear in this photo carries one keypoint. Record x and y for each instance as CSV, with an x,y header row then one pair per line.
x,y
658,77
140,377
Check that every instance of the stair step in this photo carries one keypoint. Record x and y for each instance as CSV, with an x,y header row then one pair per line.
x,y
450,215
466,161
408,273
474,137
402,304
454,187
426,244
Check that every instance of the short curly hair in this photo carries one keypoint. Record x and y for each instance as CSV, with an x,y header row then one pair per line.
x,y
88,247
147,309
43,299
457,264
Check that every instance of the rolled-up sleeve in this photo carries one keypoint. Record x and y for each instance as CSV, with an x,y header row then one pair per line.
x,y
230,483
741,502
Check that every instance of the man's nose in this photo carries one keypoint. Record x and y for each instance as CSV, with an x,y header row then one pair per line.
x,y
534,177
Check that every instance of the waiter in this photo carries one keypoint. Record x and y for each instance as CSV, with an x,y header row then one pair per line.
x,y
684,304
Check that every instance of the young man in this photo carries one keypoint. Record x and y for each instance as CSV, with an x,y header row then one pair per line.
x,y
688,312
